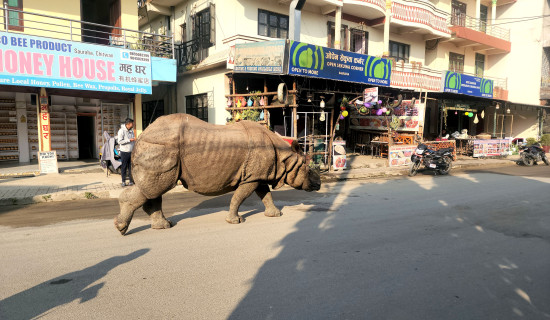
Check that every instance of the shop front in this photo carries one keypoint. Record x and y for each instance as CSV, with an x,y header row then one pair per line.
x,y
62,95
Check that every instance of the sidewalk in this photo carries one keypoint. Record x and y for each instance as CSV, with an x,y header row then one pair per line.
x,y
22,184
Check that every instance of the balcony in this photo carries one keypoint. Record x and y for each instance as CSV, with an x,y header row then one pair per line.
x,y
419,16
414,76
36,24
483,37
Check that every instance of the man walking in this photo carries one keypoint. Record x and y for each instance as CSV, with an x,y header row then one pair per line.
x,y
126,141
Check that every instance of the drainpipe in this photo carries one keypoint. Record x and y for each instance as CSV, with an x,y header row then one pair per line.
x,y
338,28
295,17
387,29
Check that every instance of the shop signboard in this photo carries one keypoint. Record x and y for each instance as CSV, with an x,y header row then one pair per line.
x,y
49,63
464,84
327,63
400,155
406,118
339,155
260,57
491,147
47,162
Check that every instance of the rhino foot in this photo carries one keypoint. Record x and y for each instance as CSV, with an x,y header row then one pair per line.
x,y
234,220
121,226
273,212
161,224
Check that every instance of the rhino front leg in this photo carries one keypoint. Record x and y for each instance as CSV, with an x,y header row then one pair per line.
x,y
242,192
153,207
265,194
130,200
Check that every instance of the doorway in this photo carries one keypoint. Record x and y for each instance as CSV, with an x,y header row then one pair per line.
x,y
105,12
85,126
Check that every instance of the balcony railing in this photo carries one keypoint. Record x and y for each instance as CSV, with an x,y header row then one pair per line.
x,y
37,24
463,20
421,13
191,52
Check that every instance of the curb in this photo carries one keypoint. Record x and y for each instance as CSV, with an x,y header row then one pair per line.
x,y
327,177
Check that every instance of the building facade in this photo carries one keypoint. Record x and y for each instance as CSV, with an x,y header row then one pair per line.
x,y
70,70
495,40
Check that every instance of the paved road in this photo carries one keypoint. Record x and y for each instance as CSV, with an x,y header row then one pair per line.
x,y
474,245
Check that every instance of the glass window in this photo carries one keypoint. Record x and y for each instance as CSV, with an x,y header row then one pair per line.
x,y
456,62
359,41
480,64
15,19
271,24
399,51
197,105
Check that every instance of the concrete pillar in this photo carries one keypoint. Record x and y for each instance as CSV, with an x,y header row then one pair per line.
x,y
387,29
137,114
493,11
478,14
22,130
338,28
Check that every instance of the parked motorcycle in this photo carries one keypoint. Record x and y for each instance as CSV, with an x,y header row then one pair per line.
x,y
110,154
439,161
532,154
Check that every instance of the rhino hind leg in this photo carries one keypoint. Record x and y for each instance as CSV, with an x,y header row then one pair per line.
x,y
153,207
242,192
130,200
265,194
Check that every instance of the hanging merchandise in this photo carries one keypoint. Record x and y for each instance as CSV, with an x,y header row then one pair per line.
x,y
249,102
229,102
238,103
261,115
345,113
262,102
483,114
322,117
476,120
470,114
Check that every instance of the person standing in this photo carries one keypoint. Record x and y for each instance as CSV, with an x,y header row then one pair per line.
x,y
126,140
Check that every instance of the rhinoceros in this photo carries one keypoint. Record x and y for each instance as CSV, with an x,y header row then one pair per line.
x,y
208,159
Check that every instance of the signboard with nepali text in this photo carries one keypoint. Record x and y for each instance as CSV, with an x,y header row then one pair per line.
x,y
327,63
260,57
464,84
50,63
491,147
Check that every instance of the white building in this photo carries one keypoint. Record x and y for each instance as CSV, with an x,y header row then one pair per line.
x,y
485,38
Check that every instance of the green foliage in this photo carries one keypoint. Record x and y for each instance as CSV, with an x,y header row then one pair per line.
x,y
531,141
90,195
251,114
545,140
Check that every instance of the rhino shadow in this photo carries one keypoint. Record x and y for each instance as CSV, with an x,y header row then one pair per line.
x,y
40,299
251,206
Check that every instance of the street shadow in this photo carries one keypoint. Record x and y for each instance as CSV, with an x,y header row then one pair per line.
x,y
55,292
251,206
411,248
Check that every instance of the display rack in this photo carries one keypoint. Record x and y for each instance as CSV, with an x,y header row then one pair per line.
x,y
64,131
109,118
9,149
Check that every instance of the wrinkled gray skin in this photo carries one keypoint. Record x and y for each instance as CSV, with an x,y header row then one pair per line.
x,y
210,160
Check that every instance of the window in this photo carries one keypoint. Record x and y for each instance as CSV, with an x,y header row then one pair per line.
x,y
480,64
483,18
203,27
197,105
458,13
456,62
399,51
271,24
343,36
359,41
151,110
15,19
183,29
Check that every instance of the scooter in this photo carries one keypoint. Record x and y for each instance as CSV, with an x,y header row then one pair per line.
x,y
439,161
110,154
532,154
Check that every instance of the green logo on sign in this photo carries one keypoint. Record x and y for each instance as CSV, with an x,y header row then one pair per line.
x,y
453,80
377,68
486,86
308,56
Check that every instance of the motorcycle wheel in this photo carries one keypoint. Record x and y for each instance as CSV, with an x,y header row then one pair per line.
x,y
528,161
448,164
545,159
414,168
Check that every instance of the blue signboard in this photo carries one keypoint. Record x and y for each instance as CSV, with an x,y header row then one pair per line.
x,y
465,84
50,63
327,63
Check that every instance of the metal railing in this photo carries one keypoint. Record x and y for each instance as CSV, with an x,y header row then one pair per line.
x,y
191,52
479,25
37,24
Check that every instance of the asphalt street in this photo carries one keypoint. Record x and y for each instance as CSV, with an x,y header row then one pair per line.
x,y
472,245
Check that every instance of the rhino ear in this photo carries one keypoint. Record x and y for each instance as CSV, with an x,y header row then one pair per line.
x,y
296,147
